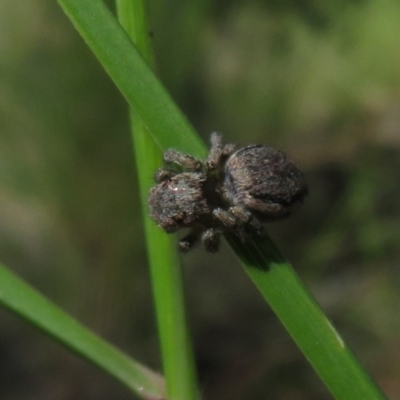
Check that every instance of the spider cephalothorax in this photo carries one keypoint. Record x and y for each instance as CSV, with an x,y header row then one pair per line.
x,y
231,191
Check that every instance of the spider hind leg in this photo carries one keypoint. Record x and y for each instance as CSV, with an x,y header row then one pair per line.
x,y
218,151
247,219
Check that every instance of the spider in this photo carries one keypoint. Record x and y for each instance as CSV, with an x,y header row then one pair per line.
x,y
233,190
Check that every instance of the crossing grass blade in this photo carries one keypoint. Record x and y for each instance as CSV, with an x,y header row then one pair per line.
x,y
131,74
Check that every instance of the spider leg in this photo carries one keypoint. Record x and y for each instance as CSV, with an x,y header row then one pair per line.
x,y
188,241
163,174
183,160
211,239
226,218
218,151
230,222
228,149
247,218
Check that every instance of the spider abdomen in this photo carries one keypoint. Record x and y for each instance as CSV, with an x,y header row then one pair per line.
x,y
262,180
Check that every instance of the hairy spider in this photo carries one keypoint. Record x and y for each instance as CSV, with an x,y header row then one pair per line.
x,y
231,191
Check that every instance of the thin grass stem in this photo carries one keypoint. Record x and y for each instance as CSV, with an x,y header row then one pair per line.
x,y
166,273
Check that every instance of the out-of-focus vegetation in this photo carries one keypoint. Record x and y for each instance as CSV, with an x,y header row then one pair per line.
x,y
319,81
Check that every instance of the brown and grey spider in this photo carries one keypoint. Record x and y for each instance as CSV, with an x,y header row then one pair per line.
x,y
231,191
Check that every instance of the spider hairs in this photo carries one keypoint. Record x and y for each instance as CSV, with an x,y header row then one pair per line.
x,y
232,190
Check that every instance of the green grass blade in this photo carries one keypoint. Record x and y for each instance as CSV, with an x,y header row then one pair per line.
x,y
166,273
25,301
305,321
127,71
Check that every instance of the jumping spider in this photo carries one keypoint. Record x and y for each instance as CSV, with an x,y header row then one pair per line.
x,y
231,191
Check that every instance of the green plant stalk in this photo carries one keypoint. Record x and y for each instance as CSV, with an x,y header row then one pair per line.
x,y
177,354
268,270
25,301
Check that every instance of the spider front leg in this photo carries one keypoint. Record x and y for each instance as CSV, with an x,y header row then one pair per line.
x,y
182,160
163,174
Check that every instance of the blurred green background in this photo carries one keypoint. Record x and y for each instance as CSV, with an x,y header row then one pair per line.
x,y
318,80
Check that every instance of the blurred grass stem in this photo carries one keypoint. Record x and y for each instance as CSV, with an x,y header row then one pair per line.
x,y
25,301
